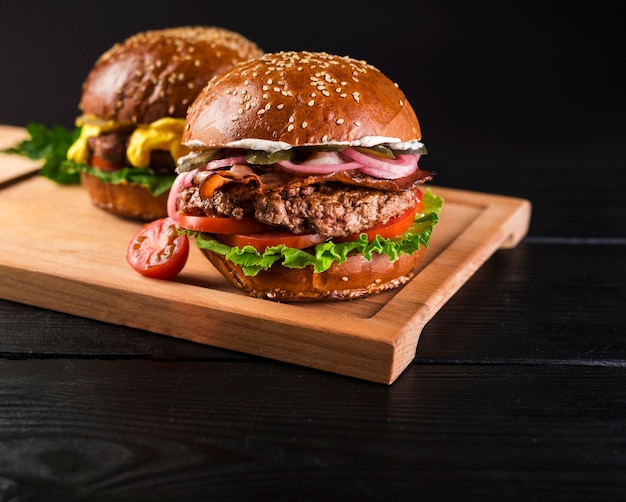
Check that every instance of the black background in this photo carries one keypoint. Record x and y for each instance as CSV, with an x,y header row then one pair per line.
x,y
499,87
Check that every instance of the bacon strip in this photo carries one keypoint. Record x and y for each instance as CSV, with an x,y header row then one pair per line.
x,y
276,179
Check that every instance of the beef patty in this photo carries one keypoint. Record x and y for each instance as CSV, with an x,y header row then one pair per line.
x,y
330,209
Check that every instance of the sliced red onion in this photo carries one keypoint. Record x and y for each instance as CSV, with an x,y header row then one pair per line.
x,y
384,168
319,168
228,161
183,180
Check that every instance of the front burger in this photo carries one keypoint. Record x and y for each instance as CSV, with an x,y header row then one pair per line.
x,y
134,101
302,182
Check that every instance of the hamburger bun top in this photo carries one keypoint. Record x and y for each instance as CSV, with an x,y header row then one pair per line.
x,y
287,99
158,73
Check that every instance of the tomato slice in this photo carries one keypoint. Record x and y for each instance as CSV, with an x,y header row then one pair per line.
x,y
106,165
220,225
419,201
158,250
262,240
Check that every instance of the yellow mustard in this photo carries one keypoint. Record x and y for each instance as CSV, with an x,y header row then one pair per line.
x,y
162,134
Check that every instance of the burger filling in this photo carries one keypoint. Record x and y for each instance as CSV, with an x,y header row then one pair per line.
x,y
334,199
330,209
122,153
110,149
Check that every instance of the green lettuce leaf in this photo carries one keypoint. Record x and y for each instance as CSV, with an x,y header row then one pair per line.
x,y
155,183
325,254
50,144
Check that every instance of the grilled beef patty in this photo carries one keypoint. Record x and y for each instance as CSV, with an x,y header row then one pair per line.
x,y
330,209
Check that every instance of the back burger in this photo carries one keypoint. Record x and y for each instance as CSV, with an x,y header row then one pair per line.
x,y
133,104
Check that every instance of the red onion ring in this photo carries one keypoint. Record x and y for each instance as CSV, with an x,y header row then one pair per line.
x,y
228,161
183,180
384,168
318,169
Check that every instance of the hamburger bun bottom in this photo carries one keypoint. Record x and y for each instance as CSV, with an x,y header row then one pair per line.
x,y
129,201
354,278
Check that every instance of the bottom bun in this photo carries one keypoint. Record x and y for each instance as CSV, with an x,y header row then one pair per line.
x,y
354,278
129,201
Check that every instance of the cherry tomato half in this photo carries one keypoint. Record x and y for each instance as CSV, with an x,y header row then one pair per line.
x,y
158,250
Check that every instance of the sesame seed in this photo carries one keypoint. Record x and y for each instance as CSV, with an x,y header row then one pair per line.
x,y
339,121
290,128
311,103
324,139
303,125
280,106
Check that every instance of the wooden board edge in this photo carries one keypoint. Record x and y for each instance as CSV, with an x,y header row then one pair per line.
x,y
366,358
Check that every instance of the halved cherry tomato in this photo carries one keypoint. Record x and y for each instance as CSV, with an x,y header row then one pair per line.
x,y
106,165
158,250
262,240
220,225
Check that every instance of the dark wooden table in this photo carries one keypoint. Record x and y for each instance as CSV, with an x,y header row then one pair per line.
x,y
518,388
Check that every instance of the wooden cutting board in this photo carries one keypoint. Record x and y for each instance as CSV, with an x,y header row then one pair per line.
x,y
58,251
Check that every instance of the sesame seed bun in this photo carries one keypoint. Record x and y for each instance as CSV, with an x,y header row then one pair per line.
x,y
158,73
300,98
147,77
352,279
